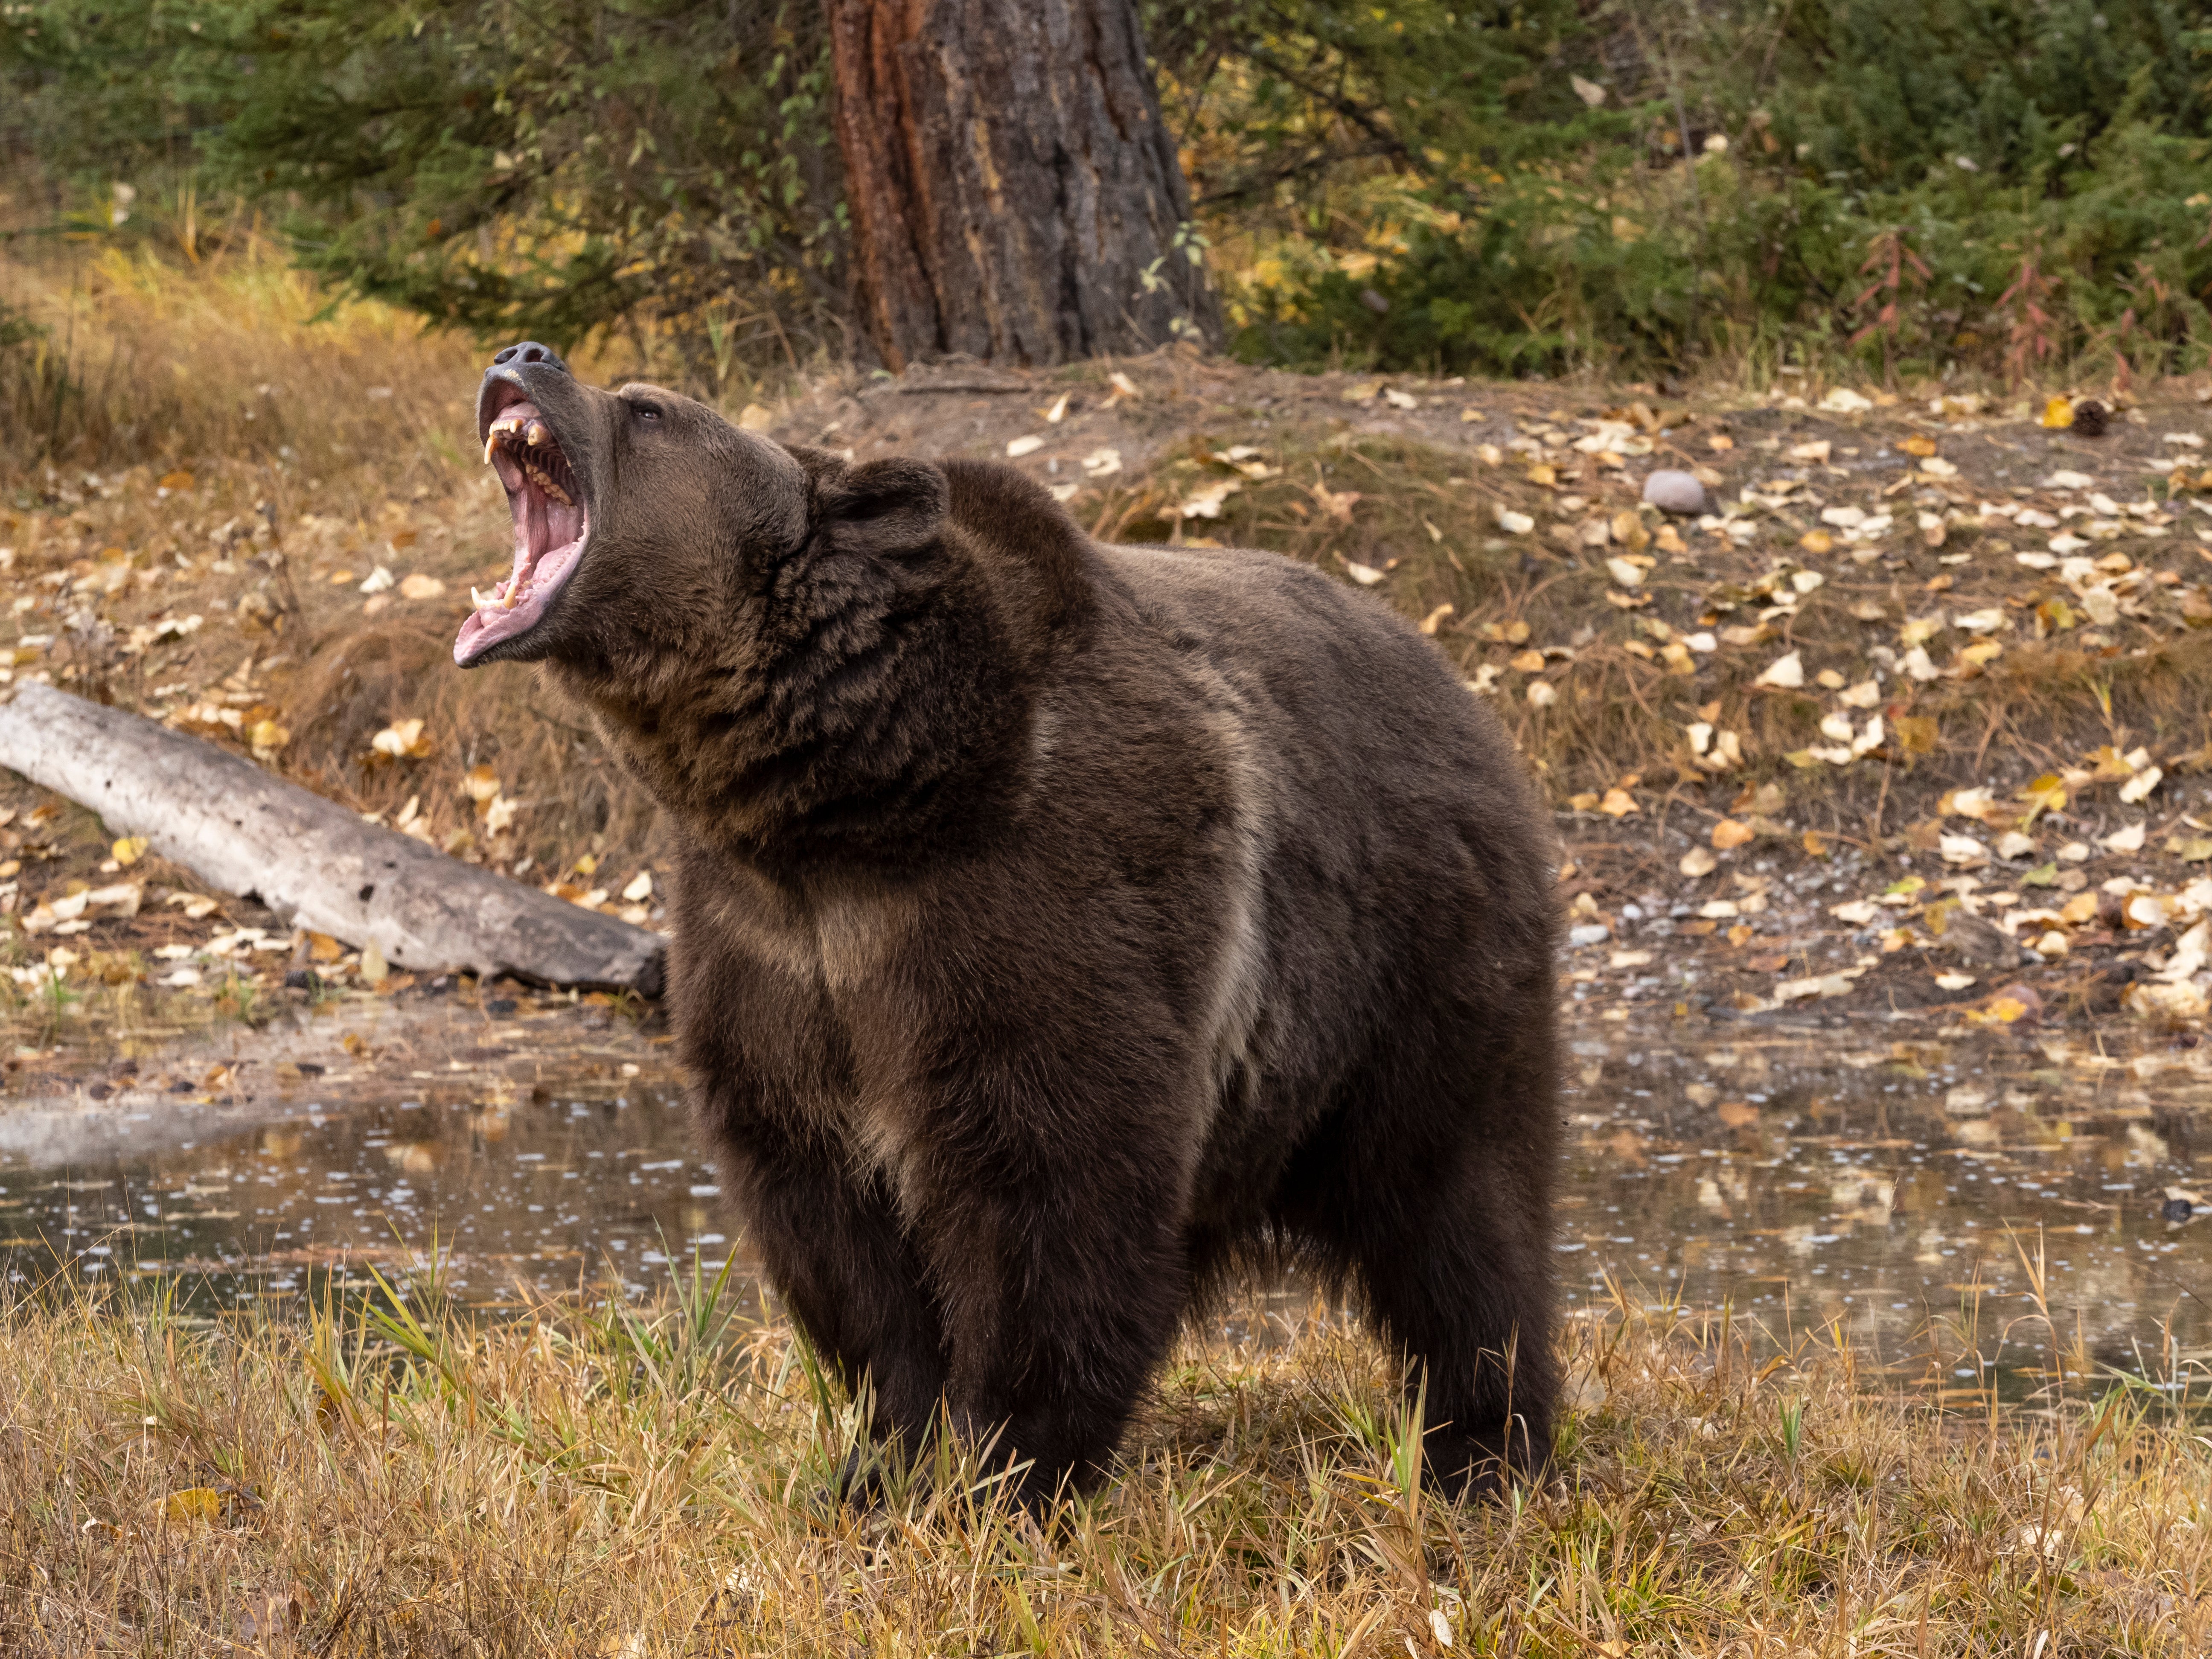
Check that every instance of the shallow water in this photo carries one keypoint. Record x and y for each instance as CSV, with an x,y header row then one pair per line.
x,y
1800,1182
588,1184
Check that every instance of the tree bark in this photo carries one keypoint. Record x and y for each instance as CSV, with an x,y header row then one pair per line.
x,y
1015,193
313,863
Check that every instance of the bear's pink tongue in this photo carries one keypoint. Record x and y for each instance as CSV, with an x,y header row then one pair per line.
x,y
551,526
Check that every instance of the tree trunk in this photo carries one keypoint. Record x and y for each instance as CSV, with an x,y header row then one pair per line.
x,y
313,863
1016,196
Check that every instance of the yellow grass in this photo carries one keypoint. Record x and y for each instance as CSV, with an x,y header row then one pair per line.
x,y
631,1481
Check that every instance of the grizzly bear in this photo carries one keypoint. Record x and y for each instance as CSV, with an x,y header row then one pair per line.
x,y
1059,928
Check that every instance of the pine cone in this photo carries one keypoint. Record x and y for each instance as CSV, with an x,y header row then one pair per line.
x,y
2089,418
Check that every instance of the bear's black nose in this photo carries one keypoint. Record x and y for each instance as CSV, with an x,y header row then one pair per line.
x,y
529,351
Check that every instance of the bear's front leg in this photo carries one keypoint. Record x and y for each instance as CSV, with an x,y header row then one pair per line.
x,y
835,1250
1054,1246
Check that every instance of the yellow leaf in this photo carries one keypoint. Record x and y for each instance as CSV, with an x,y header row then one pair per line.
x,y
1543,473
1816,844
193,1504
1529,662
2046,794
1817,541
1435,619
1919,445
1585,802
2058,412
1729,833
1618,802
130,849
373,967
267,737
1917,733
176,481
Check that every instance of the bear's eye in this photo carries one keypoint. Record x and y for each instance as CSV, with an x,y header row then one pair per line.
x,y
647,411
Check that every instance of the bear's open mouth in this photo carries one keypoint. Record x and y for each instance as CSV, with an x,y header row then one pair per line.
x,y
550,524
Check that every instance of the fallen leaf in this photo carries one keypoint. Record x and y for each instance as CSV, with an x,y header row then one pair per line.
x,y
128,850
1964,851
1435,619
2059,413
1618,802
2138,788
1918,444
192,1504
1787,672
1334,503
1918,733
1017,447
1515,524
374,968
1699,861
403,740
420,586
1593,95
1729,833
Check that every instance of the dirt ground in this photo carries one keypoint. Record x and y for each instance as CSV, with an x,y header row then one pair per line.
x,y
1908,722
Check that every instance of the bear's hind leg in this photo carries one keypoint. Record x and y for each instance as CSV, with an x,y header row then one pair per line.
x,y
1443,1214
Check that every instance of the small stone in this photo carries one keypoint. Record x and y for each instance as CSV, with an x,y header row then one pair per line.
x,y
1674,492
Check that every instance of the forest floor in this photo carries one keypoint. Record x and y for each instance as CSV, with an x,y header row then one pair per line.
x,y
1913,718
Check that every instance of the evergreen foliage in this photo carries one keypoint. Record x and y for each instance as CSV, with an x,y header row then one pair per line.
x,y
1515,186
544,170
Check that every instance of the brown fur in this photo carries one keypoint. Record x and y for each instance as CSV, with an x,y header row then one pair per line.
x,y
1061,926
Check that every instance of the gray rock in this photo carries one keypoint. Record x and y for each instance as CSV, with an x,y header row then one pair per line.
x,y
1674,492
1982,942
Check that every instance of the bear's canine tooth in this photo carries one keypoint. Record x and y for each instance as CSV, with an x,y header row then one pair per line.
x,y
491,442
480,600
535,433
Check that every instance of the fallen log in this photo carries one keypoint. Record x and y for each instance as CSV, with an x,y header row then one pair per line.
x,y
315,864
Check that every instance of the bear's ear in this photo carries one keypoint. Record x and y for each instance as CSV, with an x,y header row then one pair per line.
x,y
881,507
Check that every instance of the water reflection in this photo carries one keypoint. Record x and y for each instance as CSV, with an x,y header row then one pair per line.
x,y
1888,1190
574,1185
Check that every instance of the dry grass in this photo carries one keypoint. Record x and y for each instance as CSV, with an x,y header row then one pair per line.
x,y
618,1480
